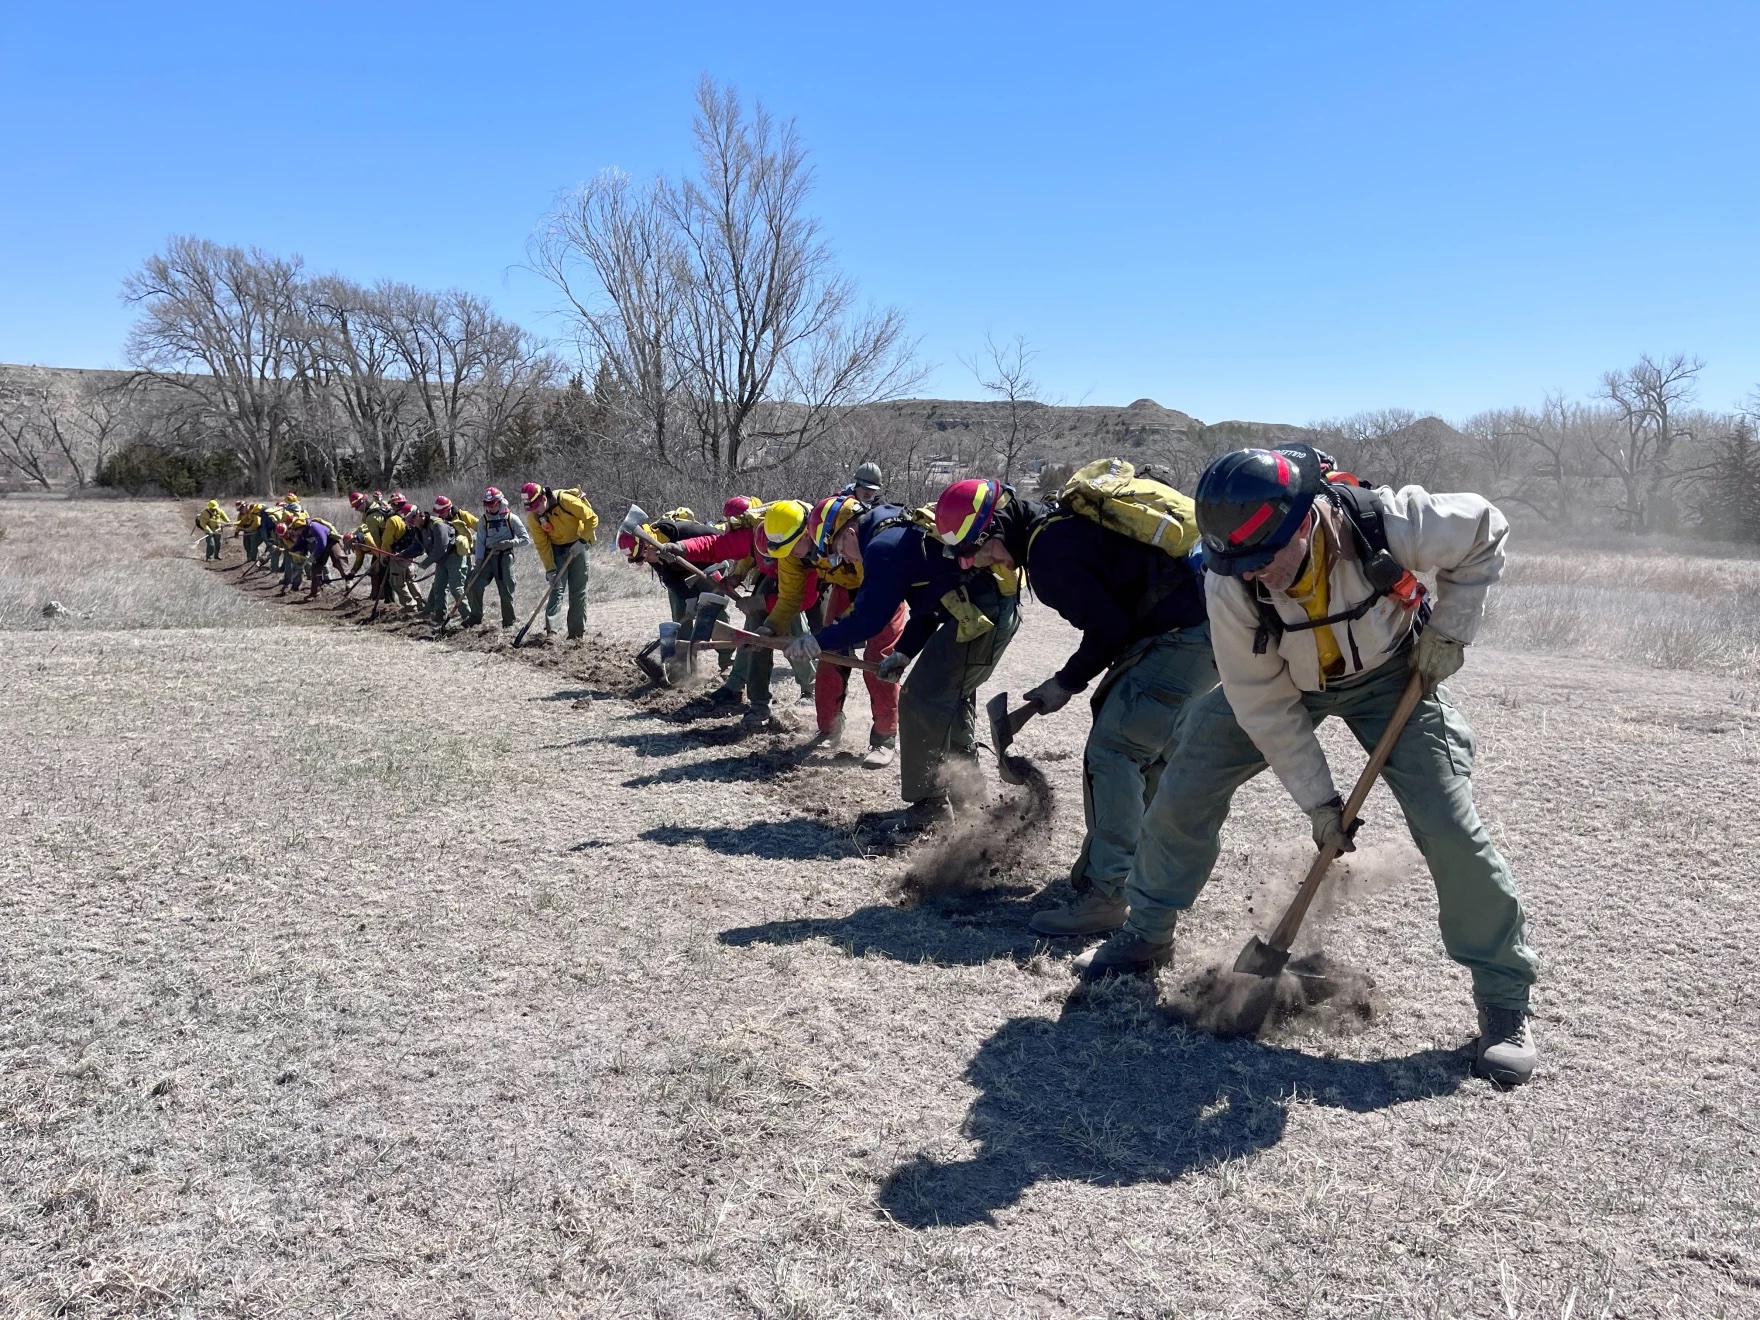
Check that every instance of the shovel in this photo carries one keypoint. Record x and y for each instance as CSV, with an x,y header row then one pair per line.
x,y
549,590
1004,724
727,635
1266,957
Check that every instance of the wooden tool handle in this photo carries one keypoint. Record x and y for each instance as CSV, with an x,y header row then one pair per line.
x,y
1285,933
727,632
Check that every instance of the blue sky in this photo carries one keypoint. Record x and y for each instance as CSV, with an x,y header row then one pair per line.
x,y
1271,211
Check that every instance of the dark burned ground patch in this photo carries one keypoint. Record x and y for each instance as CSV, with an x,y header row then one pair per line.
x,y
600,669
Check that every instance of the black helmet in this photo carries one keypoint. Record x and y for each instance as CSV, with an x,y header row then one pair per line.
x,y
1252,501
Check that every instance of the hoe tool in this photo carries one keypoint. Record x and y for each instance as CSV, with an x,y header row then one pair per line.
x,y
632,526
645,662
544,597
1266,957
727,635
1004,724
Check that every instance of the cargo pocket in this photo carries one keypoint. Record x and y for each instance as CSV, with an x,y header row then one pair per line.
x,y
1458,745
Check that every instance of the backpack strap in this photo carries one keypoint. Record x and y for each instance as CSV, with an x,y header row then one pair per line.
x,y
1386,574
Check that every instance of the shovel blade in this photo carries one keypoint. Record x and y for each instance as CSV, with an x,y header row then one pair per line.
x,y
1012,769
1261,959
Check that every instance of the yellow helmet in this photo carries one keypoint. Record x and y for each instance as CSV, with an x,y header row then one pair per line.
x,y
213,504
784,521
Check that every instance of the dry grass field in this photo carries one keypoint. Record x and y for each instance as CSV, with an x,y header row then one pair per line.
x,y
353,973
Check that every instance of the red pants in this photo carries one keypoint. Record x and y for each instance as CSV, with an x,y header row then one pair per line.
x,y
832,681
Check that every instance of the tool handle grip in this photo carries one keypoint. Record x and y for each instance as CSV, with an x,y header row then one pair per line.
x,y
1285,933
727,632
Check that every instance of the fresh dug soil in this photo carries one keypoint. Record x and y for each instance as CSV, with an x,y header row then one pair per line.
x,y
605,668
983,850
1314,992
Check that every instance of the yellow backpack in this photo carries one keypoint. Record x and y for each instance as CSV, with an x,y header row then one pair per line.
x,y
589,529
1109,491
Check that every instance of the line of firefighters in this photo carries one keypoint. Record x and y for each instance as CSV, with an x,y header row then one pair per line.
x,y
466,552
1217,632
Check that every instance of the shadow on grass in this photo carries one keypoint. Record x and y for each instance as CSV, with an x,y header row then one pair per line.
x,y
577,694
759,763
797,839
671,742
984,927
1115,1096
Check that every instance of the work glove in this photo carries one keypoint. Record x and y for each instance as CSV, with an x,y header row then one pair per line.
x,y
1329,830
803,650
550,578
763,630
1437,656
893,666
1048,696
667,550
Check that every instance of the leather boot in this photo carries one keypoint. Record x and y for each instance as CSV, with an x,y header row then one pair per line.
x,y
1125,954
1505,1051
1093,913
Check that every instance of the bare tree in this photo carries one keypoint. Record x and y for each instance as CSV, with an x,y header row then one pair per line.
x,y
612,252
1647,398
1004,371
773,346
716,296
26,442
86,429
1550,455
222,326
357,364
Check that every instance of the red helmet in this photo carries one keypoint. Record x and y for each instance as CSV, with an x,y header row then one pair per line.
x,y
965,511
240,503
831,516
626,542
736,505
532,493
401,506
492,497
442,505
357,500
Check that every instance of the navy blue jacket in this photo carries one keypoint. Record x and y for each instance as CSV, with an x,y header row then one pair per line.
x,y
1116,590
901,565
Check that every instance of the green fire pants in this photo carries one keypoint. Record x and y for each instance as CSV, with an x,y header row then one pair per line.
x,y
445,586
573,579
938,707
1139,710
1430,774
761,664
498,568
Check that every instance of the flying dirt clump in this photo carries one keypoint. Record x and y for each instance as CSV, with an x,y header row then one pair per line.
x,y
1314,992
981,850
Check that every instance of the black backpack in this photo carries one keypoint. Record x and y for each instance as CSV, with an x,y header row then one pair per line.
x,y
1387,576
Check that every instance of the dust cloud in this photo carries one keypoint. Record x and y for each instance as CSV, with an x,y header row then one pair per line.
x,y
981,849
1314,992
